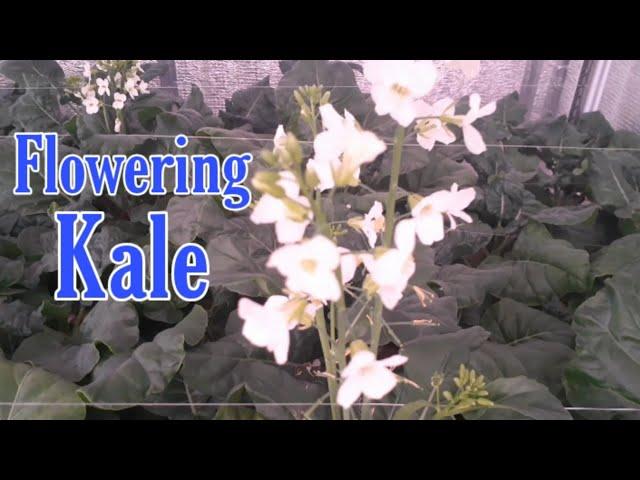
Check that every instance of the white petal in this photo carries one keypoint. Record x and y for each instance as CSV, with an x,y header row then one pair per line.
x,y
268,210
255,327
422,78
322,168
280,345
361,359
289,231
463,216
378,383
405,235
426,142
393,361
383,98
473,140
404,113
376,209
348,265
280,137
430,228
349,392
474,102
488,109
325,251
444,135
390,295
330,118
461,199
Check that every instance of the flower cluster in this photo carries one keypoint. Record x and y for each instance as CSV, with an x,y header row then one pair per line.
x,y
318,273
112,81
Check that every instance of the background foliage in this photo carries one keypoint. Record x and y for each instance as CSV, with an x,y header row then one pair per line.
x,y
537,294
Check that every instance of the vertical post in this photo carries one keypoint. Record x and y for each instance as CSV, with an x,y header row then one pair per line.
x,y
530,82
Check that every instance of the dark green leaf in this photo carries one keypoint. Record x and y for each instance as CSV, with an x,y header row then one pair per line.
x,y
606,370
520,398
21,385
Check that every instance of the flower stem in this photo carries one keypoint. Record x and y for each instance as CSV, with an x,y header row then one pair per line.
x,y
389,220
390,207
106,120
329,362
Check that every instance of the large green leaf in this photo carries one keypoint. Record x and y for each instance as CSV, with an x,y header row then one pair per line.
x,y
439,354
33,73
112,323
29,393
218,368
413,317
507,199
520,398
514,323
18,318
565,215
623,254
606,370
237,255
129,378
55,353
254,106
613,181
542,343
538,270
464,241
38,111
192,216
558,133
536,244
96,139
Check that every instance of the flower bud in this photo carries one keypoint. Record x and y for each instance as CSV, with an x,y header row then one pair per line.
x,y
357,346
266,182
269,158
369,286
292,146
298,97
295,211
311,178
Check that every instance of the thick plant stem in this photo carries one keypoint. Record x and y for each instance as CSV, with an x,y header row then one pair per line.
x,y
390,207
330,363
389,220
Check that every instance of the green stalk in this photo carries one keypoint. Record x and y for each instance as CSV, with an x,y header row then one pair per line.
x,y
390,214
389,221
330,363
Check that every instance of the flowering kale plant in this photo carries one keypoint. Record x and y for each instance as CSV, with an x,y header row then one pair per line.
x,y
405,257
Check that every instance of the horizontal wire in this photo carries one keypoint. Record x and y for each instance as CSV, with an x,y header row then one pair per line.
x,y
486,234
187,85
259,404
452,145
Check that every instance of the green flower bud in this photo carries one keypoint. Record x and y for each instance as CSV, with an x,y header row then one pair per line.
x,y
295,211
266,182
357,346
